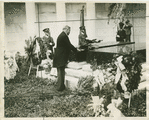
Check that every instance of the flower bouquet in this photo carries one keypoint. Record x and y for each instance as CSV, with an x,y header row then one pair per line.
x,y
47,65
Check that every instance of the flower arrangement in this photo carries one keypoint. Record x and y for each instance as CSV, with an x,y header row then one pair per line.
x,y
42,48
119,78
33,51
125,67
129,64
30,49
47,65
10,68
132,63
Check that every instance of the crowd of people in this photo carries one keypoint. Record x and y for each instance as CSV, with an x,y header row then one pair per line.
x,y
124,31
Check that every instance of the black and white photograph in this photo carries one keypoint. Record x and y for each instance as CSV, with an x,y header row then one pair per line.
x,y
74,59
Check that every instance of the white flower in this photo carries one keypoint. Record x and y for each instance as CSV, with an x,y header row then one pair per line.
x,y
119,59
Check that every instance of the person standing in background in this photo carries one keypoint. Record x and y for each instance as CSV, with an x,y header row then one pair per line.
x,y
48,42
121,34
127,28
61,56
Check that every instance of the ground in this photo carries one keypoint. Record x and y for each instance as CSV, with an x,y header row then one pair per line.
x,y
28,96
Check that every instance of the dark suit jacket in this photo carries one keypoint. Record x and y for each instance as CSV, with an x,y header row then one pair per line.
x,y
47,41
122,35
62,50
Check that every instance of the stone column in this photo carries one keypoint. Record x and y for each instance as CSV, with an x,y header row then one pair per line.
x,y
61,15
90,25
30,19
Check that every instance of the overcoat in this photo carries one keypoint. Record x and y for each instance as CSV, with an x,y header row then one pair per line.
x,y
47,41
62,50
127,29
122,35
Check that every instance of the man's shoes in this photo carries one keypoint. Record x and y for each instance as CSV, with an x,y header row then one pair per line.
x,y
61,89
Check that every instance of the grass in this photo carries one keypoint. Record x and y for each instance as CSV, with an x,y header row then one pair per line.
x,y
27,96
137,107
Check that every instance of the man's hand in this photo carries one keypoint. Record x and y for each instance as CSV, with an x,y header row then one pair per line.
x,y
50,43
94,39
117,36
78,50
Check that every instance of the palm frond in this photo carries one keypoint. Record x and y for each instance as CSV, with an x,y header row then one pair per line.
x,y
30,48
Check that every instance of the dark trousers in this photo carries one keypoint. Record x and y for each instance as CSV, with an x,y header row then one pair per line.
x,y
127,38
61,78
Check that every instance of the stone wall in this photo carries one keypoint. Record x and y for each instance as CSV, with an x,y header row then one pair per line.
x,y
104,31
56,14
73,13
136,13
47,16
15,26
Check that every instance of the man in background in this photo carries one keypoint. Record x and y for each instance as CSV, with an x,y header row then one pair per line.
x,y
127,28
48,42
121,34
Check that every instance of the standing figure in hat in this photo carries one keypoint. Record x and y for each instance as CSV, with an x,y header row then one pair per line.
x,y
48,42
82,38
127,28
83,41
121,34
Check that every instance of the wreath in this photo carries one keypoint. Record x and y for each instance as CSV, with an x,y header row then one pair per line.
x,y
35,50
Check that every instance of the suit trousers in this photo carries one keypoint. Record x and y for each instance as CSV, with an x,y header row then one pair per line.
x,y
128,38
60,78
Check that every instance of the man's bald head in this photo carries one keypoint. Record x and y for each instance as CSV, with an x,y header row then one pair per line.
x,y
66,29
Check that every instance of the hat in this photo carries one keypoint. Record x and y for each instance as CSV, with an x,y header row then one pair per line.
x,y
46,30
82,27
127,21
121,25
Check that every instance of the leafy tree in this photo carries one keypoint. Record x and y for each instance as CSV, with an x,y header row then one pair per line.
x,y
117,11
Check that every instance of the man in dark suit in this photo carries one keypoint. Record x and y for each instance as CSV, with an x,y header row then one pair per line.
x,y
61,56
127,28
48,42
121,35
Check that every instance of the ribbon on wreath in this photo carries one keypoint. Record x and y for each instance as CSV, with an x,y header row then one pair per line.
x,y
37,50
120,73
99,77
